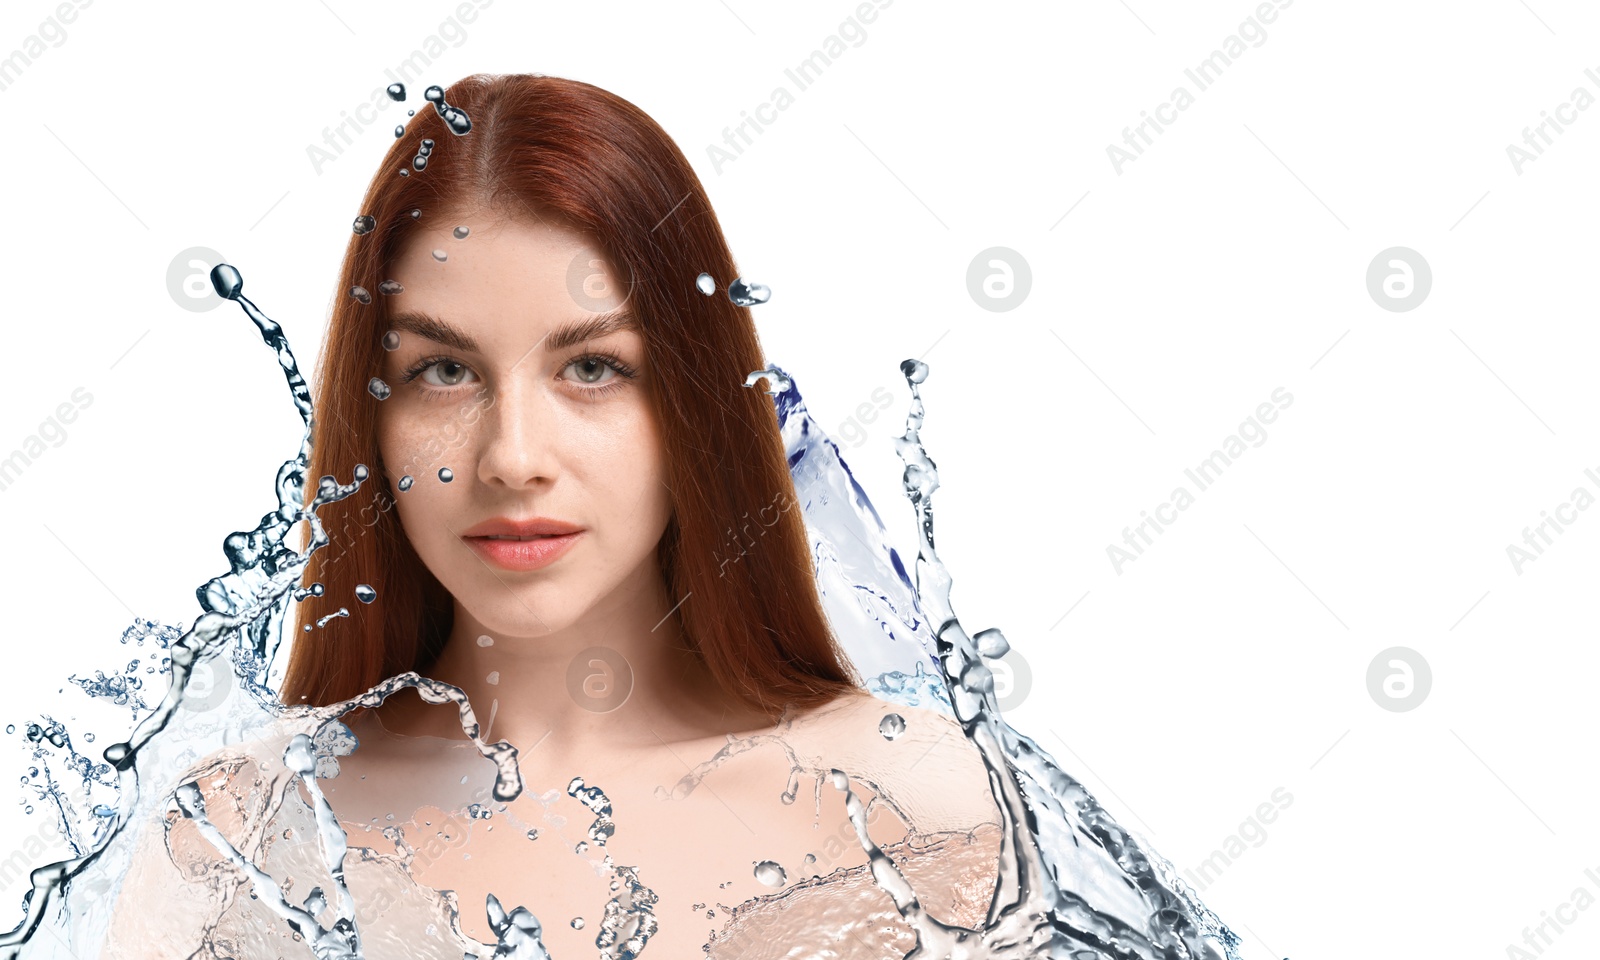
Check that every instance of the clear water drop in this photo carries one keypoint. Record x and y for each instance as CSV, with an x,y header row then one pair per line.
x,y
706,284
446,475
992,643
396,91
227,281
391,340
486,641
378,388
360,293
365,593
399,131
440,256
748,294
770,874
454,118
416,214
389,288
461,232
892,725
364,224
405,483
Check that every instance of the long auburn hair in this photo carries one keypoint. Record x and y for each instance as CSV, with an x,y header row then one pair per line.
x,y
542,146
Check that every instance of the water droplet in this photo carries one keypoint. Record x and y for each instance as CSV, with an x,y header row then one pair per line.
x,y
405,173
992,643
446,475
892,725
378,388
454,118
411,113
770,874
577,923
88,738
440,256
396,91
581,846
317,589
360,293
389,288
915,370
461,232
405,483
486,641
391,340
399,131
227,281
810,859
424,151
416,214
706,284
533,834
365,593
493,677
364,224
748,294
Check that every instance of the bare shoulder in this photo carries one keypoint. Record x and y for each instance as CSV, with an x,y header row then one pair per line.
x,y
916,760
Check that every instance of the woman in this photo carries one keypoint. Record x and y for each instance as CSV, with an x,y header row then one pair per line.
x,y
567,463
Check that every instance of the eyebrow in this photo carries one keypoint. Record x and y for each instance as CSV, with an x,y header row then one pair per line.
x,y
567,335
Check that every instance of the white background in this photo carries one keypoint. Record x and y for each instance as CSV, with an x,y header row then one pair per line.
x,y
1230,259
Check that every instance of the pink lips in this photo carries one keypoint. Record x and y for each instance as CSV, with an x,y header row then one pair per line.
x,y
524,554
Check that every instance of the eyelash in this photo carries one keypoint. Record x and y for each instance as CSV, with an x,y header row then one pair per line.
x,y
624,370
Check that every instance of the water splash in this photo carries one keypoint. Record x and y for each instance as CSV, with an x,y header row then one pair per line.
x,y
1072,882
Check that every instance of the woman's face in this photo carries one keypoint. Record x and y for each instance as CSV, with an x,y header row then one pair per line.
x,y
517,370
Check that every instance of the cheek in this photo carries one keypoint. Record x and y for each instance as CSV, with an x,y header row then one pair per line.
x,y
417,439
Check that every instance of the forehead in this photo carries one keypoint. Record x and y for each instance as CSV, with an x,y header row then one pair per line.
x,y
504,280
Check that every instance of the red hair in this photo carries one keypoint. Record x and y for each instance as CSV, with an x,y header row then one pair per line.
x,y
547,147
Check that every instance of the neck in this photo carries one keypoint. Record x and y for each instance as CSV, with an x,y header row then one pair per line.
x,y
621,677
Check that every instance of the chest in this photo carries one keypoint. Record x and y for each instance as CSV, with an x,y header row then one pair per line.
x,y
687,849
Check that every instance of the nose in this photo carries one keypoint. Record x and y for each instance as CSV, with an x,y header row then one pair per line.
x,y
519,445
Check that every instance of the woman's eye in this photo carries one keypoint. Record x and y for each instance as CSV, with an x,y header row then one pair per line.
x,y
589,369
449,373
